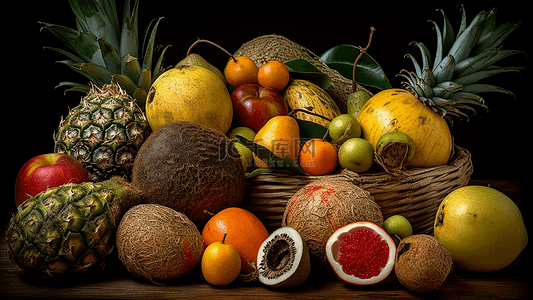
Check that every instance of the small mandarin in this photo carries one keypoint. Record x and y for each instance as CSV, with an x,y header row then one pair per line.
x,y
273,74
318,157
240,70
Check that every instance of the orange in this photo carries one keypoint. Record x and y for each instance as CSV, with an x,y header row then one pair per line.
x,y
318,157
273,74
280,135
244,231
240,70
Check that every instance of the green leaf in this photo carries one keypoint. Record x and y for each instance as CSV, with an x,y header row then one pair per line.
x,y
126,83
75,66
159,68
129,39
84,45
368,72
302,69
104,74
275,162
149,51
72,56
99,18
310,130
78,87
259,171
131,67
110,55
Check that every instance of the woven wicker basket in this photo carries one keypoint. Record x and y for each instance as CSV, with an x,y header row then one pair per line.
x,y
416,194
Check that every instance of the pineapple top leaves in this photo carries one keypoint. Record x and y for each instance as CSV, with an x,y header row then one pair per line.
x,y
103,53
449,82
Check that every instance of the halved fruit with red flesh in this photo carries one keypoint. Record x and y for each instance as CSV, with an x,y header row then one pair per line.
x,y
361,253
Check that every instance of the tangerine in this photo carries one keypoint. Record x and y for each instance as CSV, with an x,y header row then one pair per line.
x,y
318,157
240,70
273,74
244,231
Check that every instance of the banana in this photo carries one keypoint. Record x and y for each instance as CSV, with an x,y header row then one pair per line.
x,y
303,94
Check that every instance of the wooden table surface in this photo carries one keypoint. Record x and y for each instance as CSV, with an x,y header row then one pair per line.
x,y
513,282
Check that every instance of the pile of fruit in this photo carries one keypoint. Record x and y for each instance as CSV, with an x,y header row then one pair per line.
x,y
154,160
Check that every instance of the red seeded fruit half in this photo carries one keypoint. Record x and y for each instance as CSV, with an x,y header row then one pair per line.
x,y
361,253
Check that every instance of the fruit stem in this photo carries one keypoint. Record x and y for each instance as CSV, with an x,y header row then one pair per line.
x,y
214,44
224,238
325,135
361,53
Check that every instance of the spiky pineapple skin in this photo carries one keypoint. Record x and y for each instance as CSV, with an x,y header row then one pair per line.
x,y
68,229
103,132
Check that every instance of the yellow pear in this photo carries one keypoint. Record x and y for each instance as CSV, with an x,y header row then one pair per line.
x,y
189,93
280,135
481,227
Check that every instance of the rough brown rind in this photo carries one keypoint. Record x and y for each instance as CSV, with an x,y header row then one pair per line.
x,y
158,243
422,263
191,168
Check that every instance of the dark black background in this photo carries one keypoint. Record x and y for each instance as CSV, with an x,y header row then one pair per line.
x,y
498,140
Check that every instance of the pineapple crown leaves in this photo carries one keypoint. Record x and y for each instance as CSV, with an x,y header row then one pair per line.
x,y
449,82
103,53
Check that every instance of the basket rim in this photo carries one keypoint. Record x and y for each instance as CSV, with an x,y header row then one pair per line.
x,y
461,159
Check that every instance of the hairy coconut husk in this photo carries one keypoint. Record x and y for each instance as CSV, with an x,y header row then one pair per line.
x,y
190,168
323,206
265,48
422,263
158,243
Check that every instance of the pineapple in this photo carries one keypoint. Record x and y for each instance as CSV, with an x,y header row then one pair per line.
x,y
449,82
69,229
103,53
103,132
440,88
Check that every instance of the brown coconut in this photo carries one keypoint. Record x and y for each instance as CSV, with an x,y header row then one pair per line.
x,y
158,243
191,168
323,206
422,263
265,48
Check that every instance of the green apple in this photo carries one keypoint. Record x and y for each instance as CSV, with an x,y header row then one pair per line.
x,y
344,127
356,154
399,225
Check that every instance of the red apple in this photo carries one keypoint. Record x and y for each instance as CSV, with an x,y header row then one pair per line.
x,y
47,170
254,105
